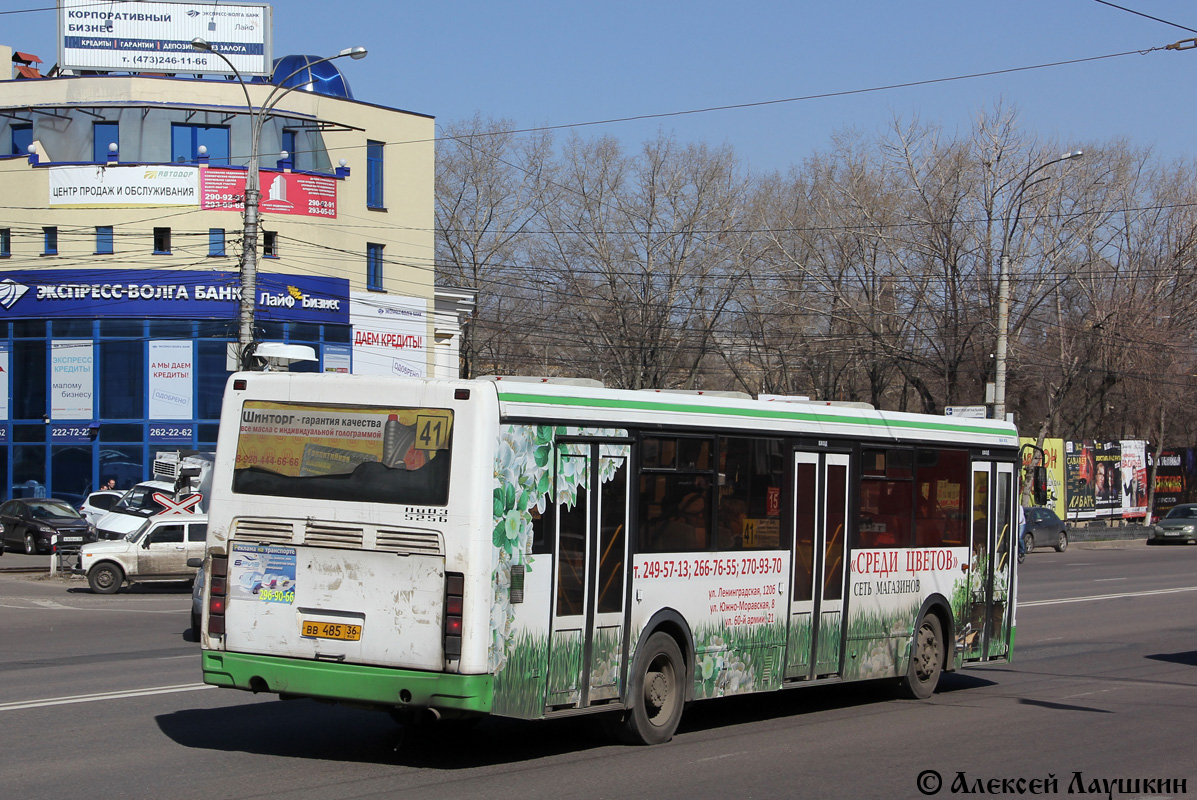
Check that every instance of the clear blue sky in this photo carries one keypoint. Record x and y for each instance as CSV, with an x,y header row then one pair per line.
x,y
563,62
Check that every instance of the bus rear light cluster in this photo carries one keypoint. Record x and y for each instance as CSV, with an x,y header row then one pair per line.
x,y
217,590
454,602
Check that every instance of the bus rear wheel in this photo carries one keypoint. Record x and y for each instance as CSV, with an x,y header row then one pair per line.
x,y
656,692
926,659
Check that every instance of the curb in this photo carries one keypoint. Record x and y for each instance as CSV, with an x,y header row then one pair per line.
x,y
1110,544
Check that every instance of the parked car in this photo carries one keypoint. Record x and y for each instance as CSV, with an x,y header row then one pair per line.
x,y
181,477
99,503
32,523
1178,525
130,512
1043,528
158,551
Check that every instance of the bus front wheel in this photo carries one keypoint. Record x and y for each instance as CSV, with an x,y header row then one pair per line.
x,y
656,692
926,659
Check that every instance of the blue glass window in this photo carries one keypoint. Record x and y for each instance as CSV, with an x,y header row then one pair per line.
x,y
29,378
289,143
374,197
22,137
5,242
161,241
185,142
103,239
104,134
50,238
216,241
210,377
374,267
121,378
70,471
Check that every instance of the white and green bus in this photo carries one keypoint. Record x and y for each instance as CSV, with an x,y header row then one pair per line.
x,y
535,548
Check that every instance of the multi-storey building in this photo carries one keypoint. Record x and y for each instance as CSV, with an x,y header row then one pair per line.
x,y
120,255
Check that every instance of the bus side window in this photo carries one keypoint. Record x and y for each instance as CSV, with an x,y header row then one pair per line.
x,y
542,528
940,489
681,523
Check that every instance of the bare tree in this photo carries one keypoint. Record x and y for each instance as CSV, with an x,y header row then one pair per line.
x,y
638,259
489,190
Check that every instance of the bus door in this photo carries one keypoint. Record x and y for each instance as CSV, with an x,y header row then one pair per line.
x,y
586,646
820,550
986,633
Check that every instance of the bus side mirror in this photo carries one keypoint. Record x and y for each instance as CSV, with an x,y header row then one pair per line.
x,y
1039,485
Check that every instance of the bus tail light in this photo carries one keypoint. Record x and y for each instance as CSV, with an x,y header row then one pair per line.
x,y
217,589
454,602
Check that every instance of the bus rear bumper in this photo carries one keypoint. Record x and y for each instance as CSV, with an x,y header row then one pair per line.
x,y
350,683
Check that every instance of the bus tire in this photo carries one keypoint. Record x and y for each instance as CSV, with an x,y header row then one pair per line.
x,y
656,692
105,578
926,659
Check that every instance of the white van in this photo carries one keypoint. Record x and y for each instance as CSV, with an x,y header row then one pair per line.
x,y
158,551
178,476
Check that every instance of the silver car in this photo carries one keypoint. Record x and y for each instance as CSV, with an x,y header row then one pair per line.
x,y
1178,525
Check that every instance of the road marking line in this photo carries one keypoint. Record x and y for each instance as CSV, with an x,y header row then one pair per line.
x,y
46,603
52,606
1105,597
92,698
1105,580
716,758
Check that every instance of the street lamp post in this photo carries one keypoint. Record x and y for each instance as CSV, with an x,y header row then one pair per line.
x,y
249,248
999,378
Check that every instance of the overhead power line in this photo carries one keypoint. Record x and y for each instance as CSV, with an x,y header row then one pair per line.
x,y
1147,16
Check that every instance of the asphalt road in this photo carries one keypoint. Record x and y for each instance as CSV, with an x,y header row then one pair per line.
x,y
100,696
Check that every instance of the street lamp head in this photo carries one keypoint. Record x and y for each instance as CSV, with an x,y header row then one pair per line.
x,y
201,44
1073,154
356,53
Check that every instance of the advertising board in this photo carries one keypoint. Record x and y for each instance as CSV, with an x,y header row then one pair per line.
x,y
56,294
109,186
282,192
156,37
389,335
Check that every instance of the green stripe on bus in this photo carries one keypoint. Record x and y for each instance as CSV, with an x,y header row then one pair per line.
x,y
763,413
349,682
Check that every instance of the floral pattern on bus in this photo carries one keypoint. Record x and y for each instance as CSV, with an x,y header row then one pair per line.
x,y
879,642
737,659
800,638
605,658
523,482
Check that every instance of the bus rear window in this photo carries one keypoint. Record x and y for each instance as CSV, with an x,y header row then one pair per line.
x,y
373,454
